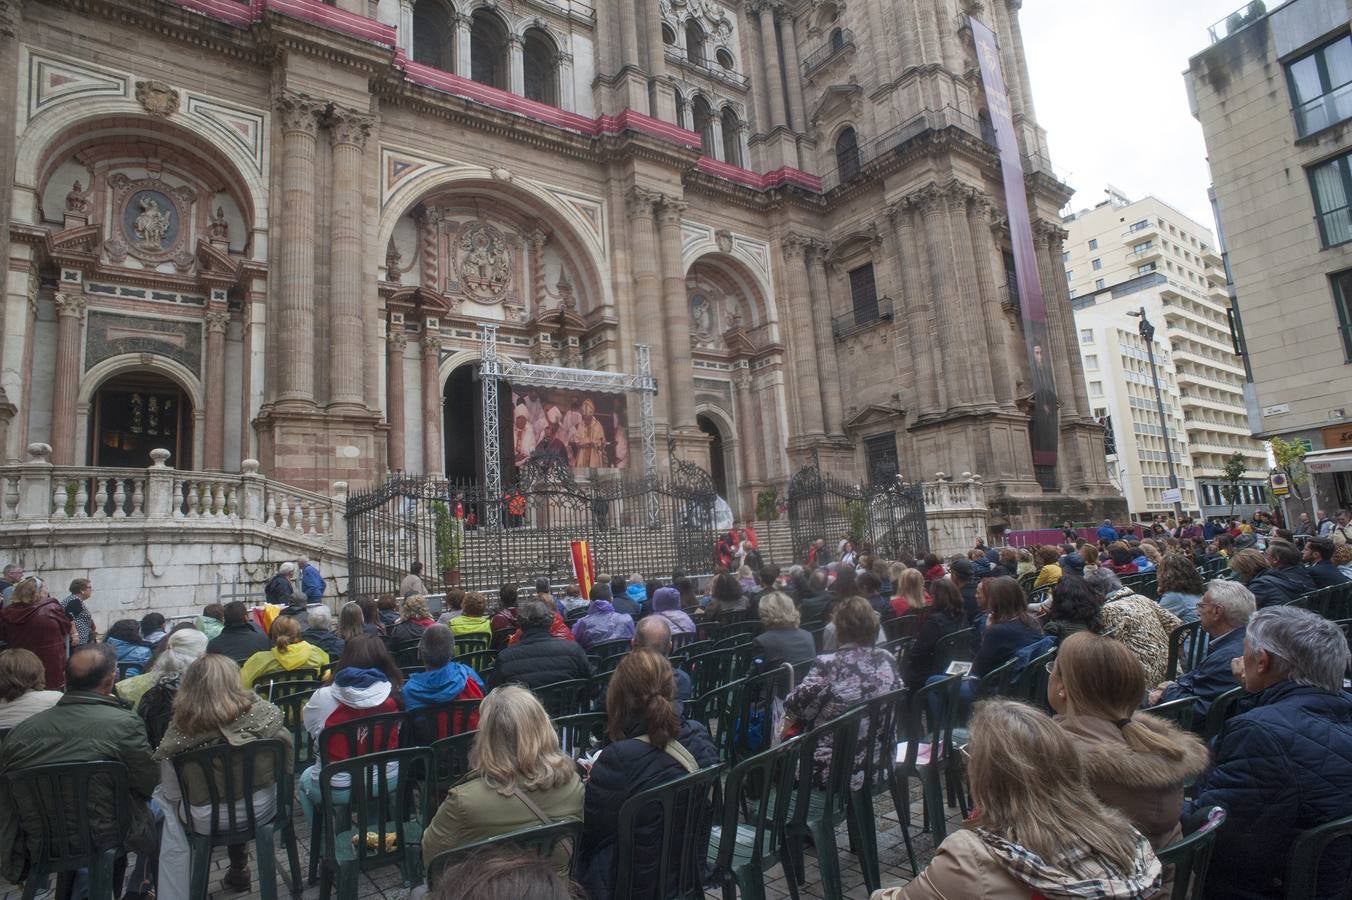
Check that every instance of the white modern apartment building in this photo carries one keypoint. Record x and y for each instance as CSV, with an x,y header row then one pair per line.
x,y
1122,256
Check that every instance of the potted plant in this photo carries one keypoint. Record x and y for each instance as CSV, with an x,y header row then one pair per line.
x,y
765,504
450,540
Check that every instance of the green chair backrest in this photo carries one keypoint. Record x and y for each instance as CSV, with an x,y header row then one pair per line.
x,y
882,720
540,840
293,715
997,682
54,803
565,698
829,780
1222,708
470,643
230,776
607,649
953,647
758,792
683,811
478,660
1187,645
928,721
715,667
1190,855
431,723
1031,685
581,733
751,726
382,799
1308,866
1179,711
276,685
901,626
368,734
450,759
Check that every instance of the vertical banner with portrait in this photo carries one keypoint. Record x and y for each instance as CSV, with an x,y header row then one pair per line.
x,y
1031,303
581,429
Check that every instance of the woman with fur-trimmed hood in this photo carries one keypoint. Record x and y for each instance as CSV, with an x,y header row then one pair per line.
x,y
1133,761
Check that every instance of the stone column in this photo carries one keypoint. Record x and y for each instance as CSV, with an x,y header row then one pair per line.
x,y
1059,309
991,315
395,345
911,45
970,305
748,426
928,32
676,317
647,291
793,73
944,285
70,309
299,118
828,370
462,46
516,66
348,131
948,37
433,450
567,89
538,294
10,16
1008,66
1012,8
213,453
404,32
805,349
428,260
929,367
770,54
628,34
716,126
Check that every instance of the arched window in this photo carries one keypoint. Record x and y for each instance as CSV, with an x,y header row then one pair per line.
x,y
694,42
488,49
668,35
704,124
540,66
680,109
724,58
732,137
847,154
837,40
434,34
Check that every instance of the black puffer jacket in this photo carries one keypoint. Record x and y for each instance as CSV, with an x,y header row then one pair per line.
x,y
1275,586
239,642
624,769
538,659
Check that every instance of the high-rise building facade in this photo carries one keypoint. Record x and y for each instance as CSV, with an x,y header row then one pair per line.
x,y
275,228
1273,93
1121,257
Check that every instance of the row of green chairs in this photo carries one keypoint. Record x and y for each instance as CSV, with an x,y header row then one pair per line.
x,y
1332,602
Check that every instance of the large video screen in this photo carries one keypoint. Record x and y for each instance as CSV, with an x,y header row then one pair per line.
x,y
581,429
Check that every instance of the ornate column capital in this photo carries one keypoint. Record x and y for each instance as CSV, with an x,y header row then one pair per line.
x,y
397,340
639,203
299,112
795,245
958,194
430,343
217,321
347,126
672,209
818,251
70,305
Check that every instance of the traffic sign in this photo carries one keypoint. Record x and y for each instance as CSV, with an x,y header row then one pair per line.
x,y
1171,495
1281,485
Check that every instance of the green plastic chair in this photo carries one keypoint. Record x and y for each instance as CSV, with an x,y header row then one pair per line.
x,y
714,668
716,708
685,809
581,733
1179,711
822,799
277,685
565,698
1307,852
1221,709
901,626
431,723
1031,684
882,718
757,797
752,722
541,840
998,682
1190,855
230,774
1187,646
956,646
607,649
450,760
374,805
927,728
55,804
470,643
293,715
478,660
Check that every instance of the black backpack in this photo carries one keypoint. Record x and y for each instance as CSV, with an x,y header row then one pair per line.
x,y
156,709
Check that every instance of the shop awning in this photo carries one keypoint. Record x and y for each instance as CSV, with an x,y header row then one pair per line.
x,y
1323,462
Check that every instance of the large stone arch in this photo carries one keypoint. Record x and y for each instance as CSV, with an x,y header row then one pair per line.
x,y
743,268
98,374
723,420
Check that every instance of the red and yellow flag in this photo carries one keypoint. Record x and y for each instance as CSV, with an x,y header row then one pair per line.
x,y
583,570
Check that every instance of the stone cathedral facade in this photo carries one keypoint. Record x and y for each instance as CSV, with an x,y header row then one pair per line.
x,y
271,229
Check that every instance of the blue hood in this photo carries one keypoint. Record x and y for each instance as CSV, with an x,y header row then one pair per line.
x,y
638,593
600,606
359,678
439,685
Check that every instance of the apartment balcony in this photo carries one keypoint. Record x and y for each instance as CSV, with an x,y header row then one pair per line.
x,y
1216,277
1212,257
1147,254
1201,331
716,72
1187,376
1235,407
1133,236
1195,358
1188,308
857,320
1201,425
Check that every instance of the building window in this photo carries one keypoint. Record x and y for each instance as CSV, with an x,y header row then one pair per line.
x,y
1342,301
1096,389
732,136
704,125
668,35
1142,246
1140,226
1321,86
847,154
1093,243
1098,284
1331,185
433,34
1145,269
1070,275
539,65
880,458
1086,335
1097,264
724,59
1091,361
694,42
1011,277
488,49
1065,256
837,40
1073,292
864,294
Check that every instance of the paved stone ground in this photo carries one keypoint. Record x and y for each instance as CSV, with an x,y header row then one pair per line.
x,y
385,884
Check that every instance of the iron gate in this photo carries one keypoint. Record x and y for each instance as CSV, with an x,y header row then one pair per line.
x,y
889,517
646,525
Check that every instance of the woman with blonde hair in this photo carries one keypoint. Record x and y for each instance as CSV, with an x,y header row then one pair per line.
x,y
1037,828
414,619
909,595
1134,762
782,641
211,708
518,778
288,653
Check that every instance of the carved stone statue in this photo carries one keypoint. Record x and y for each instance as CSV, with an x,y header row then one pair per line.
x,y
702,316
76,200
152,224
486,266
219,227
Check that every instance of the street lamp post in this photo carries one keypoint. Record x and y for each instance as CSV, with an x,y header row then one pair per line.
x,y
1147,332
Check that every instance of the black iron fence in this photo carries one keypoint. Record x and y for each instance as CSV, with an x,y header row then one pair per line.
x,y
889,517
646,525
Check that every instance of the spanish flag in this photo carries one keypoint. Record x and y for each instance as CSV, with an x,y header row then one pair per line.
x,y
583,570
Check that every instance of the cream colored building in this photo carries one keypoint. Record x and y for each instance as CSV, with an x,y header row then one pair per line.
x,y
1274,107
1121,256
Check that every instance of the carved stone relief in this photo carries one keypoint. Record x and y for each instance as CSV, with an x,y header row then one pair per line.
x,y
113,334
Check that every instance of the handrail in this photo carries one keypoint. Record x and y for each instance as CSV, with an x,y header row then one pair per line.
x,y
828,51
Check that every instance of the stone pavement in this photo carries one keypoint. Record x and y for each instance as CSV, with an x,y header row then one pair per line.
x,y
385,884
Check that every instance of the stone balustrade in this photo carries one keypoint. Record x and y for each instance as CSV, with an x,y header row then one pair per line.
x,y
956,512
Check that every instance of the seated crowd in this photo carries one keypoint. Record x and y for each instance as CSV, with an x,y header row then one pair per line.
x,y
1075,787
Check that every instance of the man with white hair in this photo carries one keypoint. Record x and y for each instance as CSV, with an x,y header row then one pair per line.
x,y
311,582
319,632
1224,611
278,590
1285,765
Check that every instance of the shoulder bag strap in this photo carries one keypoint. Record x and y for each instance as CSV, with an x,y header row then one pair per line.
x,y
531,805
676,751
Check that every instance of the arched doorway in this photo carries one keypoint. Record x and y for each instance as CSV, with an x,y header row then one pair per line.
x,y
136,412
718,469
463,425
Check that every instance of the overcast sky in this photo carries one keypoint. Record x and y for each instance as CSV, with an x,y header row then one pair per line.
x,y
1108,88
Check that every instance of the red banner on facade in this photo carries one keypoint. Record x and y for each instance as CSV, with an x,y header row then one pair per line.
x,y
583,569
1032,306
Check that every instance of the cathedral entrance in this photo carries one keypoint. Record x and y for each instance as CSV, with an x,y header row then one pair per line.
x,y
135,413
718,469
463,426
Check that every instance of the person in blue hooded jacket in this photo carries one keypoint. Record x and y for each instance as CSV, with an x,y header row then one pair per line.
x,y
602,622
1284,765
441,681
125,638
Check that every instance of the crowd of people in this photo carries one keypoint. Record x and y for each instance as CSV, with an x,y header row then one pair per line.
x,y
1073,795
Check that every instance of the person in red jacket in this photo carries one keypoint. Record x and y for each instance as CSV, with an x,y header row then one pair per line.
x,y
34,620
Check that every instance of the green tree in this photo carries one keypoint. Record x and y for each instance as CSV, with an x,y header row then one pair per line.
x,y
1233,471
765,504
1290,458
